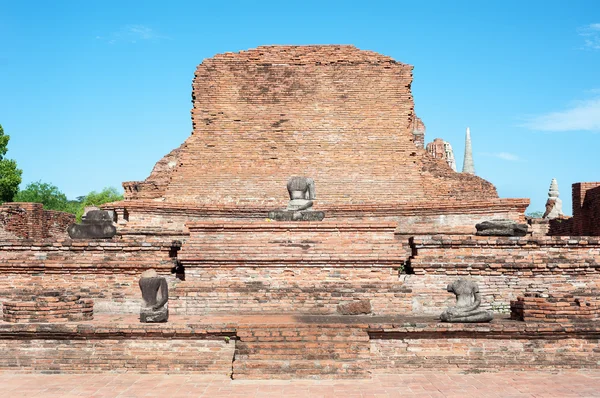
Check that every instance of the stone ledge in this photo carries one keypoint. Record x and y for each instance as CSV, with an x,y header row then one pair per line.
x,y
427,241
218,327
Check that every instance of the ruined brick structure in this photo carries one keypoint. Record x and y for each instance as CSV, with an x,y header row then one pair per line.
x,y
256,298
31,221
586,208
586,214
342,116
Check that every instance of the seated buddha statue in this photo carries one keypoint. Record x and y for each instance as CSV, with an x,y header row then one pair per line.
x,y
468,300
302,193
155,293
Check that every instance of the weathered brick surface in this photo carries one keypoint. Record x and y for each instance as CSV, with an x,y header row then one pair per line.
x,y
287,289
292,347
106,271
279,267
500,344
504,268
117,345
154,186
117,355
340,115
450,217
556,307
586,208
48,307
478,354
31,221
286,351
315,243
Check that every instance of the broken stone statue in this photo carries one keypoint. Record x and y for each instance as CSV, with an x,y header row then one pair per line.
x,y
155,293
302,194
501,227
467,305
95,224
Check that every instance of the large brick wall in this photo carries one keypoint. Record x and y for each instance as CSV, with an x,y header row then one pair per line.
x,y
31,221
504,268
267,267
342,116
107,271
116,346
291,347
290,267
451,217
586,208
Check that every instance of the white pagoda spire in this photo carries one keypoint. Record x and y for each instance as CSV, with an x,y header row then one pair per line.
x,y
468,166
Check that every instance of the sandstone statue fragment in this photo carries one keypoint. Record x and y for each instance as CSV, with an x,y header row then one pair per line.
x,y
95,224
501,227
302,193
468,300
553,204
155,293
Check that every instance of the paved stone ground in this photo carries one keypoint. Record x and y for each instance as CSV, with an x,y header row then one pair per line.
x,y
418,384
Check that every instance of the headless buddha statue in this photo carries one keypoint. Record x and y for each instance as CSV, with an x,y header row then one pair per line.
x,y
299,208
468,301
302,193
155,293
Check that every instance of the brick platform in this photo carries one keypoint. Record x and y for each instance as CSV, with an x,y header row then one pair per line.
x,y
294,346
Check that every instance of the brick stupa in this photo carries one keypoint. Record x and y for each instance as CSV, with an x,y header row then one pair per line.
x,y
342,116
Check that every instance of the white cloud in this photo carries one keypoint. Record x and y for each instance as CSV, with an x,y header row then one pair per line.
x,y
502,155
581,116
591,36
132,34
142,32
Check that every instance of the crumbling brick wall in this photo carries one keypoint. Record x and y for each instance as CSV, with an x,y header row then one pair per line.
x,y
586,213
586,208
504,268
31,221
342,116
154,186
107,271
290,267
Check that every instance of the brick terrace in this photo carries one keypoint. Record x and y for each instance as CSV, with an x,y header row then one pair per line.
x,y
285,347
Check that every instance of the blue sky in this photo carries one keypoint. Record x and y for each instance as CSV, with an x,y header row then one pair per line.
x,y
93,93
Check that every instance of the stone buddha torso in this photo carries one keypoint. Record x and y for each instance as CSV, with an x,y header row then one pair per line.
x,y
155,293
302,193
468,300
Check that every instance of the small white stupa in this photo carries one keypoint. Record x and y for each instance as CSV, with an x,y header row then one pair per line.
x,y
553,204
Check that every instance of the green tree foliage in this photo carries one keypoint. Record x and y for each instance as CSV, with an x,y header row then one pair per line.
x,y
535,214
10,175
42,192
54,199
107,195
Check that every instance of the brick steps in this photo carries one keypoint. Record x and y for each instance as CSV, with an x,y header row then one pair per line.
x,y
307,351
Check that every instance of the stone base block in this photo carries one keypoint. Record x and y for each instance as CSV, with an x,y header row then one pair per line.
x,y
289,215
148,315
101,230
